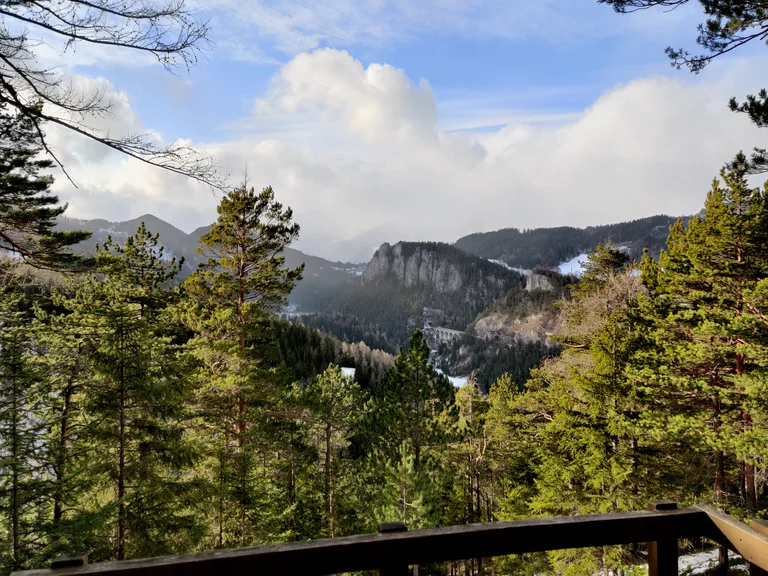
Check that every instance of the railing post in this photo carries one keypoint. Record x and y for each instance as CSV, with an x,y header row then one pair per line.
x,y
662,554
394,568
70,561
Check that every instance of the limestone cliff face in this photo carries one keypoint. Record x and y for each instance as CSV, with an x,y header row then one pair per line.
x,y
503,328
418,266
538,282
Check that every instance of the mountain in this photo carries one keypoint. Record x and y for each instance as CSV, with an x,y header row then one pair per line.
x,y
414,285
551,247
321,277
479,313
441,269
172,238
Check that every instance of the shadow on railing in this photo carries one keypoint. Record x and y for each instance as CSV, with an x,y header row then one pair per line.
x,y
394,549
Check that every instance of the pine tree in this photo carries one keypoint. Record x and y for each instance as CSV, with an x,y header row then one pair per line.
x,y
704,363
415,404
336,406
24,494
231,300
577,415
405,490
28,210
133,400
470,454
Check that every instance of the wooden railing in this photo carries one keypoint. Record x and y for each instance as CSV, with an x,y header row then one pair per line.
x,y
394,549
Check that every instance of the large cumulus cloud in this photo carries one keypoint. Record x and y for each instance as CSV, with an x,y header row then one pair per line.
x,y
350,147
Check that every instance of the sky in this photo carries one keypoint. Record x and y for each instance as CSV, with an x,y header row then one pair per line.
x,y
429,119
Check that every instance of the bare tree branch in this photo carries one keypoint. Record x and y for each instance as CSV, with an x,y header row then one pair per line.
x,y
164,28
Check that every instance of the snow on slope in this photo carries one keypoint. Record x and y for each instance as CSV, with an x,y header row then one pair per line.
x,y
574,265
508,267
458,382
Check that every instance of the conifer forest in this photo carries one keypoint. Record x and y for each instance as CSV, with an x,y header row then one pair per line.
x,y
146,410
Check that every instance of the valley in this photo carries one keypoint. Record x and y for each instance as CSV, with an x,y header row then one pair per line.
x,y
486,304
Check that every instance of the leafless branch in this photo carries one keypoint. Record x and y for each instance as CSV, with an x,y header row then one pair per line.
x,y
164,28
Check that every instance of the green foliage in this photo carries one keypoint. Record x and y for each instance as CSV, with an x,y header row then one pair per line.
x,y
307,353
28,210
413,404
129,413
553,246
336,405
228,308
383,312
24,494
703,365
405,490
489,361
139,419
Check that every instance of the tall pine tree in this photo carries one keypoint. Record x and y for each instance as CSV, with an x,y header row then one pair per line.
x,y
28,209
231,300
704,363
133,401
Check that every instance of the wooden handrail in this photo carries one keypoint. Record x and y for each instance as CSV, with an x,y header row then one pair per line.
x,y
750,543
372,551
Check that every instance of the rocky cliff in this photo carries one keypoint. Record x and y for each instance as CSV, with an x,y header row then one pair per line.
x,y
538,282
506,329
439,267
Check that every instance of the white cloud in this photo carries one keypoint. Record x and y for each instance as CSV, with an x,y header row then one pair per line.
x,y
372,151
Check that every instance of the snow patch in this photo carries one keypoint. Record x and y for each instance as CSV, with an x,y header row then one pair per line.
x,y
457,381
574,266
522,271
348,372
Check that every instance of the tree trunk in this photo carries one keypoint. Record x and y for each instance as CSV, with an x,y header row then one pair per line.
x,y
15,448
750,486
61,456
240,422
221,499
328,481
121,476
720,492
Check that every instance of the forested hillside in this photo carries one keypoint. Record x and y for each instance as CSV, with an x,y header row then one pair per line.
x,y
322,279
553,246
401,281
142,416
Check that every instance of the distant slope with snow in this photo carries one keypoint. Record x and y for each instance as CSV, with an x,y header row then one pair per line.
x,y
574,266
550,247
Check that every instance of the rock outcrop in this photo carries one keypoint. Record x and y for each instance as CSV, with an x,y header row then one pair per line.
x,y
504,328
538,282
415,265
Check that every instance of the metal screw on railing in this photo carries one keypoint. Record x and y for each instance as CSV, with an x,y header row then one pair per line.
x,y
662,554
70,561
394,568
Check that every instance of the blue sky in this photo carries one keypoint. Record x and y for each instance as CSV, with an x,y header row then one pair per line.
x,y
358,111
527,70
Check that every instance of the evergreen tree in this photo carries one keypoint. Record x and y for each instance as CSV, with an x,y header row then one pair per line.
x,y
405,489
28,209
414,403
336,405
231,300
704,362
133,400
579,410
24,494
